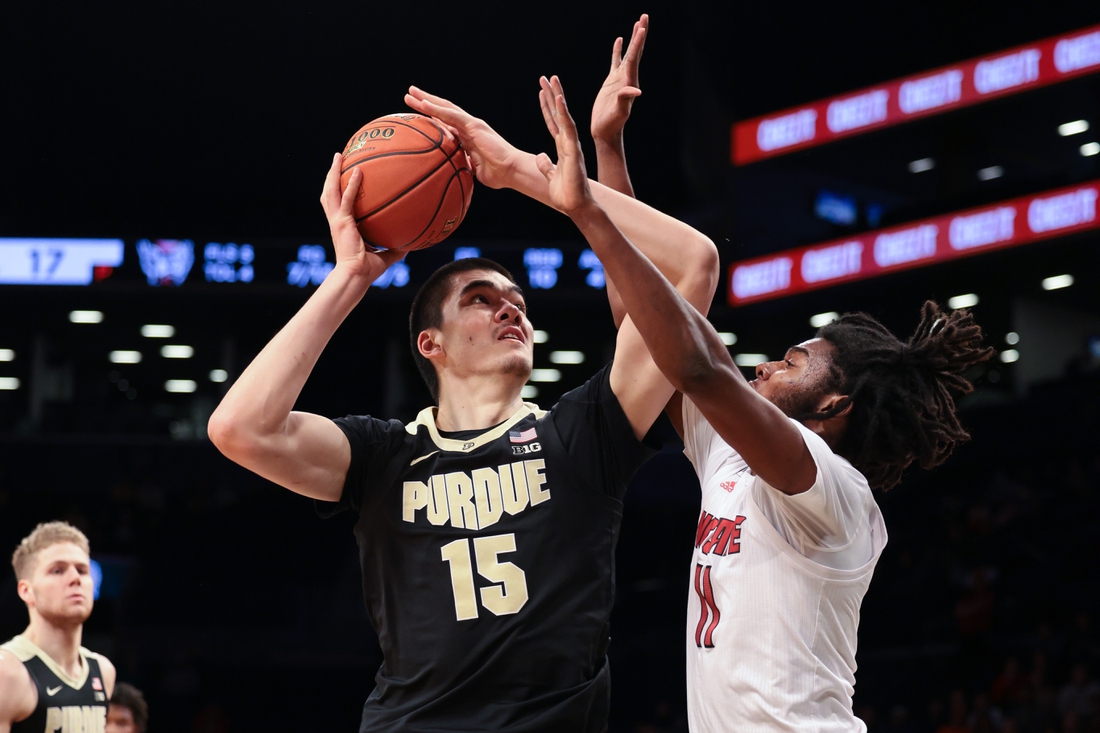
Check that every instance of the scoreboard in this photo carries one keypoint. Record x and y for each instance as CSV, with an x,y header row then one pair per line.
x,y
271,265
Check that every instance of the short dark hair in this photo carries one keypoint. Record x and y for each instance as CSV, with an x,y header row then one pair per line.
x,y
902,394
427,308
130,697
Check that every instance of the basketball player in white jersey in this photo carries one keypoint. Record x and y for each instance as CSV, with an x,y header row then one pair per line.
x,y
789,533
48,681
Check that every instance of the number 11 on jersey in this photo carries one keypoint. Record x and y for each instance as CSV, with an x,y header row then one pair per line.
x,y
507,597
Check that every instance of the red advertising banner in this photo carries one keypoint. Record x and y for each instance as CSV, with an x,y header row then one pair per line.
x,y
1007,224
932,92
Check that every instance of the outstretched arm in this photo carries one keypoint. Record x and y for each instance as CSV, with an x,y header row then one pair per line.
x,y
609,115
254,425
685,256
682,342
641,389
612,109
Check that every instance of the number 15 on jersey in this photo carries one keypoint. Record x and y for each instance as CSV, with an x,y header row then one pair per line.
x,y
510,593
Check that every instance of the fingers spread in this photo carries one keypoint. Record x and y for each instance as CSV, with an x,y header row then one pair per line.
x,y
637,44
438,107
546,103
617,53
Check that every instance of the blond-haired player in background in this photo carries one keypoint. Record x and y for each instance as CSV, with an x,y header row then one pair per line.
x,y
49,681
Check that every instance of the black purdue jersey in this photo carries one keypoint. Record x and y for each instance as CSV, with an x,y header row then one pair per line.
x,y
64,704
488,563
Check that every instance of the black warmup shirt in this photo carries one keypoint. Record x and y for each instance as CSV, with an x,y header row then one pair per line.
x,y
488,563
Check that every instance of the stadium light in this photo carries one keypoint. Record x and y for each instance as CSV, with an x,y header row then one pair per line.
x,y
1012,338
1057,282
1090,149
7,355
988,174
180,385
125,357
823,319
541,337
749,360
529,391
967,300
218,375
545,375
922,165
9,383
1073,128
86,316
1009,355
729,339
158,331
566,357
177,351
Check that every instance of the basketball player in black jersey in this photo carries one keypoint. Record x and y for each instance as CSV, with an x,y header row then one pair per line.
x,y
48,682
487,526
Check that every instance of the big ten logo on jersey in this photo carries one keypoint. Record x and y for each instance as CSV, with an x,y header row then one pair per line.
x,y
477,499
76,719
717,535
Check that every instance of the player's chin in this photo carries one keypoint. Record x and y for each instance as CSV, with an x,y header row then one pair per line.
x,y
518,365
72,614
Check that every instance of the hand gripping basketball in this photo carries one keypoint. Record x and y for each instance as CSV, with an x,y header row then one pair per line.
x,y
351,252
494,158
416,181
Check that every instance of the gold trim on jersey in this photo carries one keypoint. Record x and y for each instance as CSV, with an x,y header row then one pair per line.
x,y
427,419
25,650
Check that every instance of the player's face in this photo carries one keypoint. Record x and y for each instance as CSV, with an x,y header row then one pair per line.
x,y
485,327
60,588
120,719
795,383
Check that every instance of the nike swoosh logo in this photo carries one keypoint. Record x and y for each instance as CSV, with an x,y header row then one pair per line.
x,y
54,691
421,458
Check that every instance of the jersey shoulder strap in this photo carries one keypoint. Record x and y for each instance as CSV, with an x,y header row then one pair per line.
x,y
25,650
20,648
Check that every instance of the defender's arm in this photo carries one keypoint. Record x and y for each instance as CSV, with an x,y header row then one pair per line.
x,y
683,344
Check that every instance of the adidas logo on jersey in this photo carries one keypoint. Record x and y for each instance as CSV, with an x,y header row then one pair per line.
x,y
477,499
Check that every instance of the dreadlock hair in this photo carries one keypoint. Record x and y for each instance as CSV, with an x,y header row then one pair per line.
x,y
427,309
902,394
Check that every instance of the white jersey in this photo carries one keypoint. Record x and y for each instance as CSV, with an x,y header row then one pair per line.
x,y
777,582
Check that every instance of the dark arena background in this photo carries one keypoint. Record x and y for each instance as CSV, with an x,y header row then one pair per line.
x,y
843,156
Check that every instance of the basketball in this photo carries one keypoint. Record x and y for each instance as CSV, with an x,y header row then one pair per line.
x,y
416,185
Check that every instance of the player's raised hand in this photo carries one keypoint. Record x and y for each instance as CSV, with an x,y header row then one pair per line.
x,y
351,251
493,157
567,180
612,107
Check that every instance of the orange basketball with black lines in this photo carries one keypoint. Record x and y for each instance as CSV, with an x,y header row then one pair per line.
x,y
416,185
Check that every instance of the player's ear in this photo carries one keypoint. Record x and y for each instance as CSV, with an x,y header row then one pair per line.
x,y
830,402
427,343
24,590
